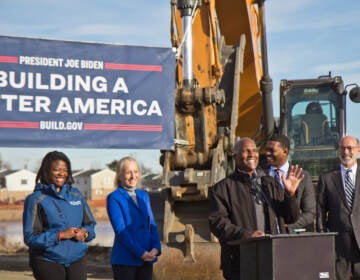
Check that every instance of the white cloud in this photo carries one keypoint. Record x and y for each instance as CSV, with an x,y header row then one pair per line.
x,y
109,22
290,16
344,67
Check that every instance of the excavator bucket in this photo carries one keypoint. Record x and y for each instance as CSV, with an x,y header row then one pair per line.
x,y
188,249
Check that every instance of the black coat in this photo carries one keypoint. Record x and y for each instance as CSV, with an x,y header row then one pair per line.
x,y
232,214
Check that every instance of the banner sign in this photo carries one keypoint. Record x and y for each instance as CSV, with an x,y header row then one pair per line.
x,y
85,95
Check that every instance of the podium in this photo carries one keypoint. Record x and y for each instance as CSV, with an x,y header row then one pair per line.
x,y
306,256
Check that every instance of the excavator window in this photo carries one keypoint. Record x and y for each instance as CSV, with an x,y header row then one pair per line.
x,y
312,123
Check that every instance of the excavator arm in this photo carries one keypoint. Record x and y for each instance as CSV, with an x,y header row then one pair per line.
x,y
220,89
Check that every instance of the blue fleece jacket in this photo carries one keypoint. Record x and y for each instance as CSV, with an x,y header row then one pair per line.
x,y
46,213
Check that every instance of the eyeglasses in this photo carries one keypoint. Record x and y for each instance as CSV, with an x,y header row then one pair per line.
x,y
349,148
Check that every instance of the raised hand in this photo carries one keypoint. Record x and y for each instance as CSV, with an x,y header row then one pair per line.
x,y
293,179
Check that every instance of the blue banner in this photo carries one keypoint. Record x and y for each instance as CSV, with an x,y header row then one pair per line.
x,y
86,95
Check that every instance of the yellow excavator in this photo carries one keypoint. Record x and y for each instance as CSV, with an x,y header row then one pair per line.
x,y
221,84
223,92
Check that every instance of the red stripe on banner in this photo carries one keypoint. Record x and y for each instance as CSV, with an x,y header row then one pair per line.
x,y
10,124
133,67
9,59
125,127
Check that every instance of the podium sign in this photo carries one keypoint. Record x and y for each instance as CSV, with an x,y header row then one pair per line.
x,y
307,256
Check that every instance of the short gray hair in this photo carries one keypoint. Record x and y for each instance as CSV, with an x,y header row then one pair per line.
x,y
239,144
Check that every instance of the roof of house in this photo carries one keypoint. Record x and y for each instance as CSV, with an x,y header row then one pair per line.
x,y
87,172
5,172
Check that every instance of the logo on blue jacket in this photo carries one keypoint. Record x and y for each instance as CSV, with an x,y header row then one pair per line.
x,y
75,203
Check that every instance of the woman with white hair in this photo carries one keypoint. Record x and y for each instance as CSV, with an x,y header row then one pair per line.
x,y
137,244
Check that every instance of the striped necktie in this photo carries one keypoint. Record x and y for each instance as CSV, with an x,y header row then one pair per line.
x,y
278,175
349,188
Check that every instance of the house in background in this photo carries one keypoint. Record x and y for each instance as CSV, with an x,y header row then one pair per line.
x,y
151,181
95,184
16,184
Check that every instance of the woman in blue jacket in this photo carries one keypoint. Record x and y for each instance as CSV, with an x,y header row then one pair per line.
x,y
57,223
136,245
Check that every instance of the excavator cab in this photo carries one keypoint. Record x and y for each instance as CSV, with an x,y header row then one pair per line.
x,y
312,115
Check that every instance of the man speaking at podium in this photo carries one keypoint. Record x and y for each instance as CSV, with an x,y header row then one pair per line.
x,y
249,203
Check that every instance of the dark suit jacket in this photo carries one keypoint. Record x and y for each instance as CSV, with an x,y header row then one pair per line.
x,y
305,195
334,214
306,198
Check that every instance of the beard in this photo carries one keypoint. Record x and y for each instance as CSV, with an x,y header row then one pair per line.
x,y
348,160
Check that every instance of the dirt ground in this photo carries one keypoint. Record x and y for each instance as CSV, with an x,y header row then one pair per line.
x,y
14,265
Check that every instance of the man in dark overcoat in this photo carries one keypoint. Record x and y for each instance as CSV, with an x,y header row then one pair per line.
x,y
249,204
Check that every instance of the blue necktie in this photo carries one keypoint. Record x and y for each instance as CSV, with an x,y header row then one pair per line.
x,y
349,188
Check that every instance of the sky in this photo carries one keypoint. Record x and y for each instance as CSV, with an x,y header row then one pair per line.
x,y
305,38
